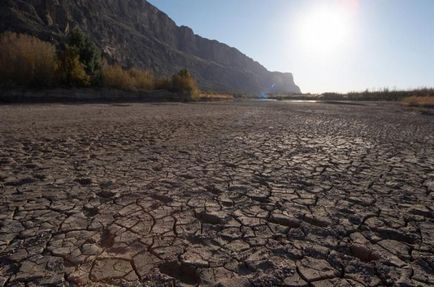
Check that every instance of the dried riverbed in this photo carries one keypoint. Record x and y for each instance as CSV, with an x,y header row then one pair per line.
x,y
241,194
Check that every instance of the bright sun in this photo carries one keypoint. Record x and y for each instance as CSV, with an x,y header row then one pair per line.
x,y
324,29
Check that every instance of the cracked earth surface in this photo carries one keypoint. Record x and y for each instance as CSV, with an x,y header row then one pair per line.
x,y
227,194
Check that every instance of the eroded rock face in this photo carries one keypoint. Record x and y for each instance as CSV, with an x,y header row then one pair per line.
x,y
135,33
238,194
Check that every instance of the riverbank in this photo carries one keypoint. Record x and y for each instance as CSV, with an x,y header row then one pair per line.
x,y
93,95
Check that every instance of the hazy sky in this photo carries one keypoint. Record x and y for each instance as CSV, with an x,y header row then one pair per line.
x,y
329,45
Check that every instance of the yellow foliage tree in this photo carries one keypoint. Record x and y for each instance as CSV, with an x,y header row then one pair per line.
x,y
26,61
114,76
183,82
143,80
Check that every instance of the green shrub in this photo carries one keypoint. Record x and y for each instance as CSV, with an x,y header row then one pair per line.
x,y
26,61
80,61
71,71
89,54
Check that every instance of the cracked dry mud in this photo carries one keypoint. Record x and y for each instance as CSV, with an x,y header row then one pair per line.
x,y
227,194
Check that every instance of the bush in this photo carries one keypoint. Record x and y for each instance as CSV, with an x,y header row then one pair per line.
x,y
163,84
382,95
89,54
26,61
71,71
114,76
143,80
184,83
419,101
80,61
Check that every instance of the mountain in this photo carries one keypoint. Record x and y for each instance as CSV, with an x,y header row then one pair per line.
x,y
135,33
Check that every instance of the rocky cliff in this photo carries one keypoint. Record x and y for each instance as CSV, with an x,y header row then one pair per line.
x,y
135,33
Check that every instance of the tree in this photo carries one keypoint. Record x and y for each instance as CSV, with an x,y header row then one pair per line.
x,y
72,71
89,54
26,61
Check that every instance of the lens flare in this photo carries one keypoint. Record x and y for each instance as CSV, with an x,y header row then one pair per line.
x,y
326,28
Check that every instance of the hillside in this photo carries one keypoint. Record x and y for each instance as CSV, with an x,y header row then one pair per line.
x,y
135,33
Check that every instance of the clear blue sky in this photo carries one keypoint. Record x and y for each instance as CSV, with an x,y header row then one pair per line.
x,y
329,45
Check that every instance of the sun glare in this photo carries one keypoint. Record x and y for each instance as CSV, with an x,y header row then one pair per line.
x,y
324,29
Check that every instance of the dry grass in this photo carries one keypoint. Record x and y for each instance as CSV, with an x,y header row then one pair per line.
x,y
419,101
214,97
143,80
114,76
184,83
163,84
26,61
383,95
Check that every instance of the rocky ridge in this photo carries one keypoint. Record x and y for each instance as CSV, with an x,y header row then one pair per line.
x,y
135,33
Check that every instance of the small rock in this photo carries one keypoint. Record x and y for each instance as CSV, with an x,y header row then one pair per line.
x,y
284,220
84,181
211,217
364,253
90,249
